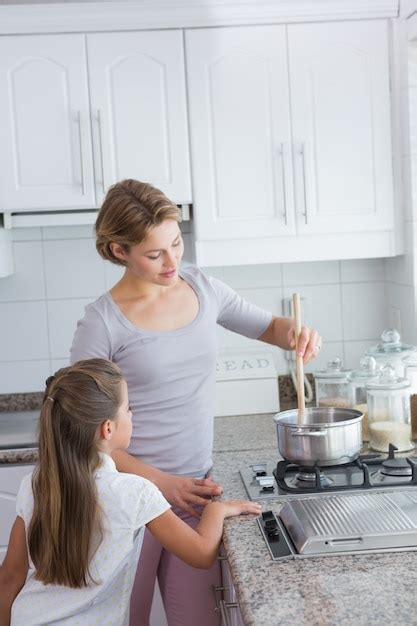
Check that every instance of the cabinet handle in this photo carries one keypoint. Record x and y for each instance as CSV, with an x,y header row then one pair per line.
x,y
80,138
214,590
284,191
100,135
302,152
224,608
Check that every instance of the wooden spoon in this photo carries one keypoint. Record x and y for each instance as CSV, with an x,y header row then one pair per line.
x,y
299,361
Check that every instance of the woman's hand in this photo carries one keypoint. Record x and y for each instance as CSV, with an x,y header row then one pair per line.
x,y
184,492
309,342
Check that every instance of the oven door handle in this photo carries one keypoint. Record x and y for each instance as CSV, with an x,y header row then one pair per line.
x,y
308,433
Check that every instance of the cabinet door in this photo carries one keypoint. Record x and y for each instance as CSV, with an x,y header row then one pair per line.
x,y
139,116
340,105
10,479
45,137
240,132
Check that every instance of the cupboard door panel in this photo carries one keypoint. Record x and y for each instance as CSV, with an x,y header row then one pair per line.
x,y
240,132
139,114
45,148
340,98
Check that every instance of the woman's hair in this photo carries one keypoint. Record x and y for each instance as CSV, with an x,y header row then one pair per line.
x,y
129,211
65,529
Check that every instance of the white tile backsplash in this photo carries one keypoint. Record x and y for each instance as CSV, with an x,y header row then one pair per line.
x,y
255,276
354,350
364,310
73,269
321,309
58,274
27,376
24,333
79,231
362,270
320,272
28,280
27,234
62,319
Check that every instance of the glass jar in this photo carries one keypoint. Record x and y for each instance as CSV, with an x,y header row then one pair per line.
x,y
331,384
389,411
410,365
357,380
390,350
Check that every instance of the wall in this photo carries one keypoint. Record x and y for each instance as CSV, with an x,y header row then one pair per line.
x,y
58,272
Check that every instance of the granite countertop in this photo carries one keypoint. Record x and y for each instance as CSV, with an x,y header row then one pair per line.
x,y
376,589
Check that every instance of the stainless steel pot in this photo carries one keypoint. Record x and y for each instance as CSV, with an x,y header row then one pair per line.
x,y
329,436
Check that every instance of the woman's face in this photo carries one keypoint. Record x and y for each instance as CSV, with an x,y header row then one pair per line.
x,y
157,258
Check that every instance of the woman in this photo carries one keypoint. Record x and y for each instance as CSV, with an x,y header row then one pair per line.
x,y
158,323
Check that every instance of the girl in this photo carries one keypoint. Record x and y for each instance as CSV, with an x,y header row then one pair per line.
x,y
83,520
159,324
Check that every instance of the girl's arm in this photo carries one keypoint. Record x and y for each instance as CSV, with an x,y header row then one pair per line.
x,y
13,571
180,491
198,547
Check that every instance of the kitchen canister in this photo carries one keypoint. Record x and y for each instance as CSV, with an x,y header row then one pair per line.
x,y
388,399
410,365
390,350
357,380
332,389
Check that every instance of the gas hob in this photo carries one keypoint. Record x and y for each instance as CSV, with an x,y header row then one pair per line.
x,y
369,472
366,506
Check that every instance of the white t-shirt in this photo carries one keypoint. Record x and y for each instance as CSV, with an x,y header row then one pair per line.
x,y
128,502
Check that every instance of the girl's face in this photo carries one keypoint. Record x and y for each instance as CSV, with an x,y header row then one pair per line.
x,y
157,258
123,424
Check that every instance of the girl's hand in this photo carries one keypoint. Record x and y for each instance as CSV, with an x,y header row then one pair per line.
x,y
309,342
184,492
241,507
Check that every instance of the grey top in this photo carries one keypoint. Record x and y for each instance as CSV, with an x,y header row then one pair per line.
x,y
170,374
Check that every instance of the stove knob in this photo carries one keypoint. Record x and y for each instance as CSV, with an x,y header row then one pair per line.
x,y
271,528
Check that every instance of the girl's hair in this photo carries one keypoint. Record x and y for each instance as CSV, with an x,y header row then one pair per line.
x,y
66,520
129,211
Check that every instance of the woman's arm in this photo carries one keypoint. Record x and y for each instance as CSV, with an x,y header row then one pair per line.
x,y
281,333
198,547
180,491
13,571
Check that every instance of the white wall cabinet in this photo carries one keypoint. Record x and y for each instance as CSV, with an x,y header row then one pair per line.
x,y
57,150
10,479
287,144
46,159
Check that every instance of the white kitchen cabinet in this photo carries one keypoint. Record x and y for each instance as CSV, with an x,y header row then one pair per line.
x,y
138,109
10,479
58,151
341,123
290,147
240,132
46,159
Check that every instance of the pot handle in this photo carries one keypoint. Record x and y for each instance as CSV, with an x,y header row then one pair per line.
x,y
308,433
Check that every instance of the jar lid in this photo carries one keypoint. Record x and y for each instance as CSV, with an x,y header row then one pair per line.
x,y
411,359
367,369
390,345
333,370
388,379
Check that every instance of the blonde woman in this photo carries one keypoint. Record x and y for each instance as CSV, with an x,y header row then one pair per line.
x,y
158,323
84,521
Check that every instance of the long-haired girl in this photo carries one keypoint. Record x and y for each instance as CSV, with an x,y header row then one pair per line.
x,y
75,544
